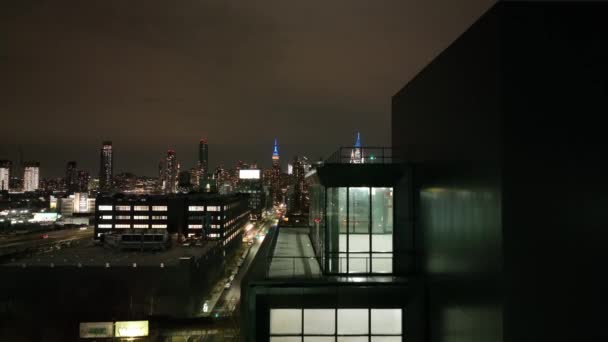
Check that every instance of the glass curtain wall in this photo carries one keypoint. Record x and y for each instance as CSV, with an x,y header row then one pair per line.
x,y
359,236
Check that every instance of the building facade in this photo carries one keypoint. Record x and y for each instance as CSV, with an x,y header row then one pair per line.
x,y
275,177
505,130
207,216
170,173
345,275
5,174
31,176
216,217
106,167
203,158
71,177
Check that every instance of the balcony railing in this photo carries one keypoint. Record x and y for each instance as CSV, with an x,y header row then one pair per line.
x,y
364,155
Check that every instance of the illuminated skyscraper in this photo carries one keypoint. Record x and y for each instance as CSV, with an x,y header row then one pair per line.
x,y
203,158
298,201
83,181
71,177
5,174
106,169
170,173
276,173
31,176
356,156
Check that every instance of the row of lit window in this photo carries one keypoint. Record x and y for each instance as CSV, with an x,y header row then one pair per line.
x,y
127,217
128,208
122,226
202,208
329,324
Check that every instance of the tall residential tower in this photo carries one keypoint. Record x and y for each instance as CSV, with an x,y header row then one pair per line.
x,y
106,166
203,158
5,174
31,176
170,174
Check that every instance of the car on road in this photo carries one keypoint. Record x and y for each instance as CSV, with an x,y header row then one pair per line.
x,y
44,236
227,286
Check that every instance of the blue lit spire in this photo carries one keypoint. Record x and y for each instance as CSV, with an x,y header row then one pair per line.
x,y
358,142
275,151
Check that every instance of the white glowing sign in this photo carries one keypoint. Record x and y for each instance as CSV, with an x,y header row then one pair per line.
x,y
249,174
131,329
96,329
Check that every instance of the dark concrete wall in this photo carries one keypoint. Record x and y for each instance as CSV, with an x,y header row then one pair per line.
x,y
555,189
506,128
447,121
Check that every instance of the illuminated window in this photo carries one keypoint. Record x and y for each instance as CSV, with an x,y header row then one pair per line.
x,y
159,226
106,217
140,217
159,217
123,207
104,208
140,226
195,226
123,217
196,208
319,325
159,208
141,208
122,226
104,226
213,208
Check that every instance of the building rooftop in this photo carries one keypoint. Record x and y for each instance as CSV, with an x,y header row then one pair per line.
x,y
87,254
293,255
363,155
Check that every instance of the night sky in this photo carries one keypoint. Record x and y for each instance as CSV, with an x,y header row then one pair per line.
x,y
151,75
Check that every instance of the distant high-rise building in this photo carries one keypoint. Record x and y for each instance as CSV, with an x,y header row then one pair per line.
x,y
276,173
299,202
71,177
195,177
83,181
31,176
106,169
203,158
171,172
5,174
356,156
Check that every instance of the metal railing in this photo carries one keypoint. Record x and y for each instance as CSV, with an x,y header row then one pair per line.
x,y
293,267
363,155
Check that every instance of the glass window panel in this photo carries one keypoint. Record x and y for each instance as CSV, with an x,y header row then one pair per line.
x,y
382,263
358,243
386,321
358,206
286,339
319,321
343,242
382,242
343,257
353,339
319,339
382,210
285,321
358,263
386,338
353,321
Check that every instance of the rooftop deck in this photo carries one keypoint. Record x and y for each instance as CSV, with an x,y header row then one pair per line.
x,y
293,255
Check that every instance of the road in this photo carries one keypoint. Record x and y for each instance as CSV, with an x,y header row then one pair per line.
x,y
231,297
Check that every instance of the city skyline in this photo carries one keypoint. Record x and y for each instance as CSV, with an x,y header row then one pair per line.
x,y
154,76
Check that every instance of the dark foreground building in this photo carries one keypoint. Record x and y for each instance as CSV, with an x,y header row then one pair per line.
x,y
506,131
497,216
347,274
